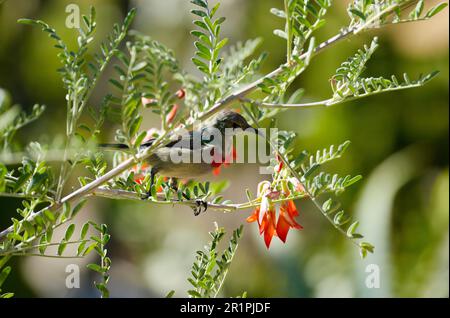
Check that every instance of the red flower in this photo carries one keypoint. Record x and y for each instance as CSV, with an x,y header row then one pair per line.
x,y
181,93
286,220
171,115
279,165
265,215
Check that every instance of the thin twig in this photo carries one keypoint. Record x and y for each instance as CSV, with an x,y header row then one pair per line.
x,y
25,196
45,255
127,164
117,194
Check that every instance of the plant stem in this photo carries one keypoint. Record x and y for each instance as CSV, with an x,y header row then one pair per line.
x,y
117,194
226,271
226,102
288,32
44,255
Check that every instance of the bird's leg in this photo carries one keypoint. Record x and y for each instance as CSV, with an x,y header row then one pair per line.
x,y
200,204
152,177
173,183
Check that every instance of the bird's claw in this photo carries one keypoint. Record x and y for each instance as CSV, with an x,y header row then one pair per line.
x,y
201,204
146,196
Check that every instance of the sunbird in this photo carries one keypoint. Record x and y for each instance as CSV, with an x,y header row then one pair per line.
x,y
188,155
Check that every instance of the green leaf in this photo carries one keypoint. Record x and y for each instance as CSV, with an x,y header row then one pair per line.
x,y
3,172
95,268
202,25
353,180
279,13
364,248
84,230
326,206
61,247
29,228
78,207
43,242
66,210
199,13
435,10
202,48
135,126
358,13
154,193
26,21
4,274
89,249
81,248
221,44
49,215
214,9
339,218
200,3
69,232
415,14
197,33
201,65
430,76
280,33
194,294
352,228
170,294
36,181
116,84
249,195
367,246
140,138
102,288
311,170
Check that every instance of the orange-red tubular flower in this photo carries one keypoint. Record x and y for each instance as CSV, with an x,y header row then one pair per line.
x,y
269,226
279,164
286,220
171,115
265,215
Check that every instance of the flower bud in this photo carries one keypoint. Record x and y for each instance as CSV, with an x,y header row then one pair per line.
x,y
263,187
181,93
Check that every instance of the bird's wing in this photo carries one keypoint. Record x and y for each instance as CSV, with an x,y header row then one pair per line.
x,y
183,141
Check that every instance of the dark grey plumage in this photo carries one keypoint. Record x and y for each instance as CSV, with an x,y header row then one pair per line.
x,y
187,148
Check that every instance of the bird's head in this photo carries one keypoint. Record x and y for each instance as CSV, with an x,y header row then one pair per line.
x,y
232,120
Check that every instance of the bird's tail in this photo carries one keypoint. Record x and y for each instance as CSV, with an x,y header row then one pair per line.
x,y
123,147
116,147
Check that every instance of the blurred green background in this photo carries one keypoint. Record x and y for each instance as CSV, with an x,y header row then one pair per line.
x,y
399,144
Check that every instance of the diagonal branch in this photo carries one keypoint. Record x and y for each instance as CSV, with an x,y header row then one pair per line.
x,y
224,103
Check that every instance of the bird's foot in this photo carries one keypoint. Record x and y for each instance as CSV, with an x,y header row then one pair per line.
x,y
173,184
201,205
146,196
